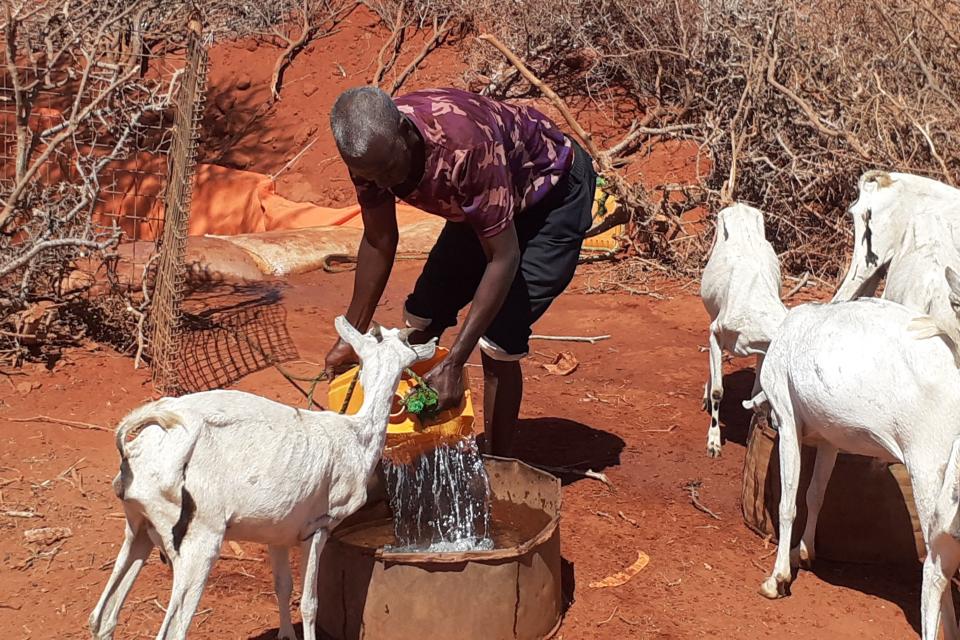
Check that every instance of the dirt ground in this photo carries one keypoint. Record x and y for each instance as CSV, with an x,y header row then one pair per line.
x,y
631,409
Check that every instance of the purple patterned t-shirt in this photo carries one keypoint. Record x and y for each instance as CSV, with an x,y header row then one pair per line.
x,y
485,160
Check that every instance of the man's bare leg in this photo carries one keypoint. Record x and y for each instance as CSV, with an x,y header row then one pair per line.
x,y
502,393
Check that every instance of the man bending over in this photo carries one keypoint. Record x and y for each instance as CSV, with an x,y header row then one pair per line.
x,y
517,196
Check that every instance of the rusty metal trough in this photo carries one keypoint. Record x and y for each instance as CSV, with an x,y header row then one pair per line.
x,y
511,593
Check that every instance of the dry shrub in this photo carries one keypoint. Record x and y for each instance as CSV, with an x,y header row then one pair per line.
x,y
790,102
87,87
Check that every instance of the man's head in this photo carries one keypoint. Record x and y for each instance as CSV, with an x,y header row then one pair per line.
x,y
372,135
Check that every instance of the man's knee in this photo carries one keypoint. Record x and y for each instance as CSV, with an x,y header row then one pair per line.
x,y
512,351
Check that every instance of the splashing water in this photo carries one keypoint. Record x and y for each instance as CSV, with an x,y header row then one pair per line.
x,y
440,500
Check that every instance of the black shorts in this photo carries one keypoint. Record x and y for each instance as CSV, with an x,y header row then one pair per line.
x,y
550,232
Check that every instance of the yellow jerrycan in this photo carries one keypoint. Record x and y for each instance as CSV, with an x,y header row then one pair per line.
x,y
451,424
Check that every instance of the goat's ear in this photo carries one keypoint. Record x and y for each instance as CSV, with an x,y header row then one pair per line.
x,y
350,335
953,280
376,331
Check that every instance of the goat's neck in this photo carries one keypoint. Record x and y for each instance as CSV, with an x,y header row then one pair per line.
x,y
379,382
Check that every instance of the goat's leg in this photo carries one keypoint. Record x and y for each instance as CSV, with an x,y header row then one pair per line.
x,y
716,392
756,376
789,435
283,585
133,554
822,469
191,567
933,594
308,601
948,615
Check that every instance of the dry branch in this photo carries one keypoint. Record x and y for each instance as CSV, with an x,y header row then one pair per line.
x,y
67,423
396,42
558,102
316,18
439,33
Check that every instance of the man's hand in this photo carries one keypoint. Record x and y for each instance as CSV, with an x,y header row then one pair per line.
x,y
447,380
340,358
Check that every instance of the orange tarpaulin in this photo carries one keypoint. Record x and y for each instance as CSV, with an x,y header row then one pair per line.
x,y
226,202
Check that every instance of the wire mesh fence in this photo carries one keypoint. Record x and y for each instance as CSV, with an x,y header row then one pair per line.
x,y
171,271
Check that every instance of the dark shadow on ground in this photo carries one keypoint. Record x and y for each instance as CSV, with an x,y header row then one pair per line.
x,y
559,443
230,331
897,584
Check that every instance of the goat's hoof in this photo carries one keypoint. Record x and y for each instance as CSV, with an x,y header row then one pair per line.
x,y
713,450
773,589
801,557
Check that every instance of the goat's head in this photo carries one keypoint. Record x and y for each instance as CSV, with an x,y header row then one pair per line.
x,y
380,344
740,221
877,228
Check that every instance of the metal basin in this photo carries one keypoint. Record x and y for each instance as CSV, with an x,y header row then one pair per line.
x,y
510,592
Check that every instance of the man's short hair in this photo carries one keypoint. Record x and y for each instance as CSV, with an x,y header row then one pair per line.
x,y
360,116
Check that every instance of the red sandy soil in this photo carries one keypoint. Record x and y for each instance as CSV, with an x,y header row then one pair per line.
x,y
645,431
631,409
243,132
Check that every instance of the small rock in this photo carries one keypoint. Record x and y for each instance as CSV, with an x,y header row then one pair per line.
x,y
46,535
243,82
252,44
26,387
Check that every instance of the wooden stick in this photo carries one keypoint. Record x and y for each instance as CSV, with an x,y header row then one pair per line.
x,y
395,39
615,609
438,34
800,285
67,423
590,339
692,489
589,473
294,159
547,91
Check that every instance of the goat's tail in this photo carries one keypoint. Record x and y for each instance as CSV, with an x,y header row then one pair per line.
x,y
174,450
925,327
758,403
142,417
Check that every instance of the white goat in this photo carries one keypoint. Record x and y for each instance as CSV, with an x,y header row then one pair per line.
x,y
852,376
886,202
916,279
222,465
740,288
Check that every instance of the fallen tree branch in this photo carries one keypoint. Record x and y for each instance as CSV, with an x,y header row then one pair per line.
x,y
800,285
589,473
693,489
67,423
590,339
